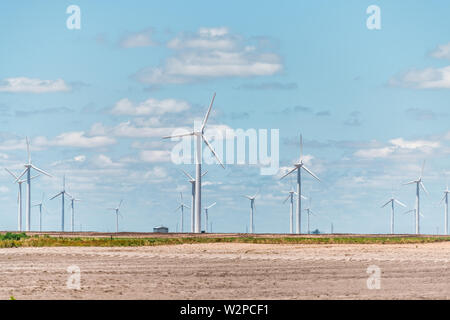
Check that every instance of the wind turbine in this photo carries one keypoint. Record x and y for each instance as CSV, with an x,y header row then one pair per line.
x,y
414,211
309,212
419,184
19,199
298,166
62,193
290,197
392,200
206,216
252,208
199,135
192,181
116,209
72,200
445,197
28,166
182,206
40,205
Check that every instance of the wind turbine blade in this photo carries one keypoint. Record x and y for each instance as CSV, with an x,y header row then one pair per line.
x,y
303,197
55,196
177,208
248,197
409,211
15,177
212,150
384,205
400,203
286,198
41,171
205,173
411,182
187,175
423,187
443,198
301,147
121,200
208,112
28,150
186,206
423,166
420,214
20,176
309,171
69,195
34,176
289,172
179,135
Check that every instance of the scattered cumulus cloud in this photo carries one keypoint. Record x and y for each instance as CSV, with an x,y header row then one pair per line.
x,y
33,85
137,39
149,107
211,53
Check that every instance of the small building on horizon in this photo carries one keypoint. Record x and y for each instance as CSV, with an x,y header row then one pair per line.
x,y
160,229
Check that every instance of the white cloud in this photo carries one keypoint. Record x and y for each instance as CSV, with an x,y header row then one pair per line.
x,y
137,39
32,85
80,158
429,78
149,107
103,161
155,156
211,53
76,139
156,173
442,51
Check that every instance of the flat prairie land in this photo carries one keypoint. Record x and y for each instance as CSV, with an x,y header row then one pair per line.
x,y
228,270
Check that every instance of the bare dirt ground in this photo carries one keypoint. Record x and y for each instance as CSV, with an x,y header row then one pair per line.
x,y
228,271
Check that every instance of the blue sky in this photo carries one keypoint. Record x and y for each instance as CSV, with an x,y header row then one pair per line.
x,y
371,105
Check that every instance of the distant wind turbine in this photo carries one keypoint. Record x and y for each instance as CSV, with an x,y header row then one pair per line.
x,y
298,166
40,205
182,206
72,200
391,201
19,198
290,197
192,181
419,184
199,135
309,212
445,197
415,220
252,208
28,166
116,210
62,193
206,215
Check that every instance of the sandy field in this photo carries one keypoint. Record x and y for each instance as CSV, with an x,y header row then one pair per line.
x,y
228,271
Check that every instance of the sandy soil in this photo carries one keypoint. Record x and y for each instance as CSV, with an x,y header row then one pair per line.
x,y
228,271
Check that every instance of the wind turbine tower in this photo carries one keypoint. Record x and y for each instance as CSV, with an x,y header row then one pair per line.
x,y
446,192
206,216
62,193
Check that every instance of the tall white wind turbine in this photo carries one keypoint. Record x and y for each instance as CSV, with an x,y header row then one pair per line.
x,y
192,181
299,166
391,201
116,210
19,198
206,215
28,166
252,209
199,135
419,184
445,197
182,206
290,197
62,193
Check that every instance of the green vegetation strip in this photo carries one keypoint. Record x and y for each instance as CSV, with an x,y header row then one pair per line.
x,y
13,240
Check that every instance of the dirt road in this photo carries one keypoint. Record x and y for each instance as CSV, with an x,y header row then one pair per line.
x,y
228,271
